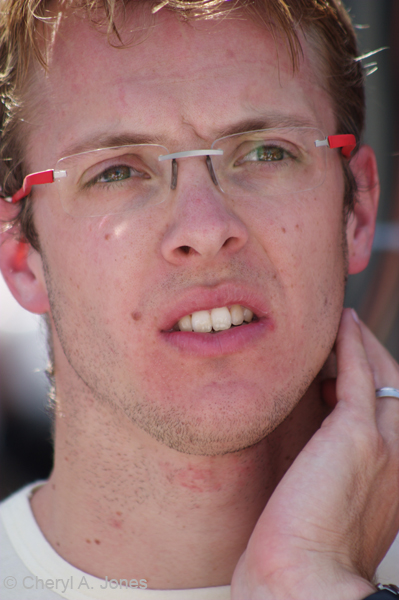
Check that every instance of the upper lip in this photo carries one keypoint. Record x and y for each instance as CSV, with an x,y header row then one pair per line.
x,y
205,298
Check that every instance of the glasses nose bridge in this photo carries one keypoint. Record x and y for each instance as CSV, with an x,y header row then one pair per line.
x,y
191,154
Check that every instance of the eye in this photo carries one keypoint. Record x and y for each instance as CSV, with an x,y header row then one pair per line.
x,y
264,154
98,169
117,173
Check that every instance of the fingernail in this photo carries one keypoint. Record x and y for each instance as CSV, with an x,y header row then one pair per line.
x,y
355,317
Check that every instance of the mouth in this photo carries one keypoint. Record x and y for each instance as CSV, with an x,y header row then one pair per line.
x,y
216,319
213,322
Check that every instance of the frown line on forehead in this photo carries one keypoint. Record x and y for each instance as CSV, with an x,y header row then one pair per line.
x,y
105,139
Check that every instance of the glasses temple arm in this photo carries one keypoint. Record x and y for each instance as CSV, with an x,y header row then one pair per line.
x,y
29,181
346,141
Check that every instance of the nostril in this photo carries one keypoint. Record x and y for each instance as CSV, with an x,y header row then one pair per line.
x,y
231,241
185,249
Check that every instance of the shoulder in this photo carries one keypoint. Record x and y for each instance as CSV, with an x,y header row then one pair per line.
x,y
16,521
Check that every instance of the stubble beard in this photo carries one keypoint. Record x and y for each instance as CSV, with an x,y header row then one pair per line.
x,y
226,432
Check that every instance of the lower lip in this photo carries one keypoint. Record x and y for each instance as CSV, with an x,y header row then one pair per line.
x,y
229,341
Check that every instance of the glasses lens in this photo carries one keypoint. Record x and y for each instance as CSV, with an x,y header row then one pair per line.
x,y
270,162
113,180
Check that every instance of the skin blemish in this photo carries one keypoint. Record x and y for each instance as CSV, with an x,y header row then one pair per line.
x,y
116,523
283,229
200,479
118,512
136,316
97,542
88,541
107,236
197,479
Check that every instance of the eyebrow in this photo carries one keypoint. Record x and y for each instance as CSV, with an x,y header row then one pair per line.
x,y
269,121
105,140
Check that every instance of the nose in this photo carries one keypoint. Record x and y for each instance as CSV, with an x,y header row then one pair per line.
x,y
203,225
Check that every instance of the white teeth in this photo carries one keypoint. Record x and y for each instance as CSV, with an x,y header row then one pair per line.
x,y
218,319
221,318
237,314
201,321
185,324
248,314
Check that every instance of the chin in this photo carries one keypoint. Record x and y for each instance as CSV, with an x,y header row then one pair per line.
x,y
228,423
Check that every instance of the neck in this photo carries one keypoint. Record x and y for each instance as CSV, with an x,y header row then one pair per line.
x,y
117,498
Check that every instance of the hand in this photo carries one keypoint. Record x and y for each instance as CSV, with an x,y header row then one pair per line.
x,y
335,512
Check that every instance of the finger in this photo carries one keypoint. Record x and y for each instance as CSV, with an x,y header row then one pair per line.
x,y
385,374
355,387
384,368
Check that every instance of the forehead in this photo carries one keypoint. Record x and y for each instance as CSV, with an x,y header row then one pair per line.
x,y
172,80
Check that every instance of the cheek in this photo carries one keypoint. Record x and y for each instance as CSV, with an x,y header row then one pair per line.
x,y
96,270
95,294
319,276
301,233
304,240
93,250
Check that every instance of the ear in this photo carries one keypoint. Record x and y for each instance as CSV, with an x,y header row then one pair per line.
x,y
361,222
22,269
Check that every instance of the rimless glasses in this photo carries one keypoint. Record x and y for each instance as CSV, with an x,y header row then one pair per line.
x,y
249,165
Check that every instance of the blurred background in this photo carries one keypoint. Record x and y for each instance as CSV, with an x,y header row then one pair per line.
x,y
25,421
375,291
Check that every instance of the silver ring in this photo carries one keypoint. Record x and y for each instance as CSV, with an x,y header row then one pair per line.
x,y
387,392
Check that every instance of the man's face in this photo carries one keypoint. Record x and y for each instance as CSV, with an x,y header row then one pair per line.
x,y
118,284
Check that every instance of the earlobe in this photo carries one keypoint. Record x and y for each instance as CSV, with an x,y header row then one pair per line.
x,y
22,270
361,222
